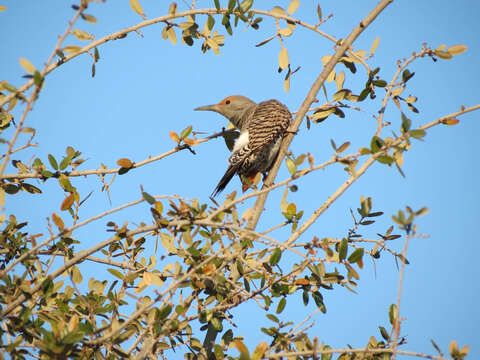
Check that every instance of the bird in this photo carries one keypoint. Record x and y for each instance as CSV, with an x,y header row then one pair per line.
x,y
262,127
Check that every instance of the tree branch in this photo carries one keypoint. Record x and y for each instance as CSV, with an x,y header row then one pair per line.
x,y
260,203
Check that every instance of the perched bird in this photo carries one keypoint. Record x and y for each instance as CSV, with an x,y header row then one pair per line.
x,y
261,126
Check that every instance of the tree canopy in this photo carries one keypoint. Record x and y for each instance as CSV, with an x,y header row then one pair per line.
x,y
110,244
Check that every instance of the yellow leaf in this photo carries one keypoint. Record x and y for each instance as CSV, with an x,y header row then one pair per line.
x,y
302,282
72,49
441,47
452,121
124,162
325,59
213,45
90,18
278,10
140,287
292,168
174,136
283,58
286,84
27,65
3,8
443,55
2,197
259,351
360,53
135,5
457,49
340,79
209,268
57,220
374,45
172,9
156,280
191,142
73,323
81,35
147,279
397,91
331,76
247,214
291,209
158,206
465,350
286,31
67,203
453,347
293,6
240,346
172,36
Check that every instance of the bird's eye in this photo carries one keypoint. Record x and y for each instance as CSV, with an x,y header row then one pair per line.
x,y
227,102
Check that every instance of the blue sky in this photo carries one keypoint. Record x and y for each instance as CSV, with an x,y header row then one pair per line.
x,y
145,86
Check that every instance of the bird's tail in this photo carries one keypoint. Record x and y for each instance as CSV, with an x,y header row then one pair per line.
x,y
229,174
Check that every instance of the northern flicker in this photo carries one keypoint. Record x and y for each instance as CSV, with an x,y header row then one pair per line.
x,y
261,126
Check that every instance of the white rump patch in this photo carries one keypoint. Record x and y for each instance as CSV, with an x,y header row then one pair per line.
x,y
241,141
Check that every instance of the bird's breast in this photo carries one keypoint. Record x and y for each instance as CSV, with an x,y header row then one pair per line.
x,y
241,142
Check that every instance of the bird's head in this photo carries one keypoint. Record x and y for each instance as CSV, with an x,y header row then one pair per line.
x,y
233,107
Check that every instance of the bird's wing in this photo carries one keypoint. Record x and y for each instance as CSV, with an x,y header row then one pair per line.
x,y
269,121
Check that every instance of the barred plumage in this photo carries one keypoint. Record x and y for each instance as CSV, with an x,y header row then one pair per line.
x,y
261,126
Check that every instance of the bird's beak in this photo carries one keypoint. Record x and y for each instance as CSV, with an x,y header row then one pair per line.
x,y
207,108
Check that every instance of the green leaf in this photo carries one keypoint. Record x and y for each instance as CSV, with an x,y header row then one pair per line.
x,y
343,249
65,162
357,255
240,268
384,333
379,83
231,5
326,356
407,75
406,123
37,78
245,5
116,273
273,318
210,22
165,311
30,188
65,183
363,95
148,198
385,159
317,296
281,305
305,297
216,324
46,174
275,257
52,161
217,5
392,314
73,337
418,133
376,144
185,132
